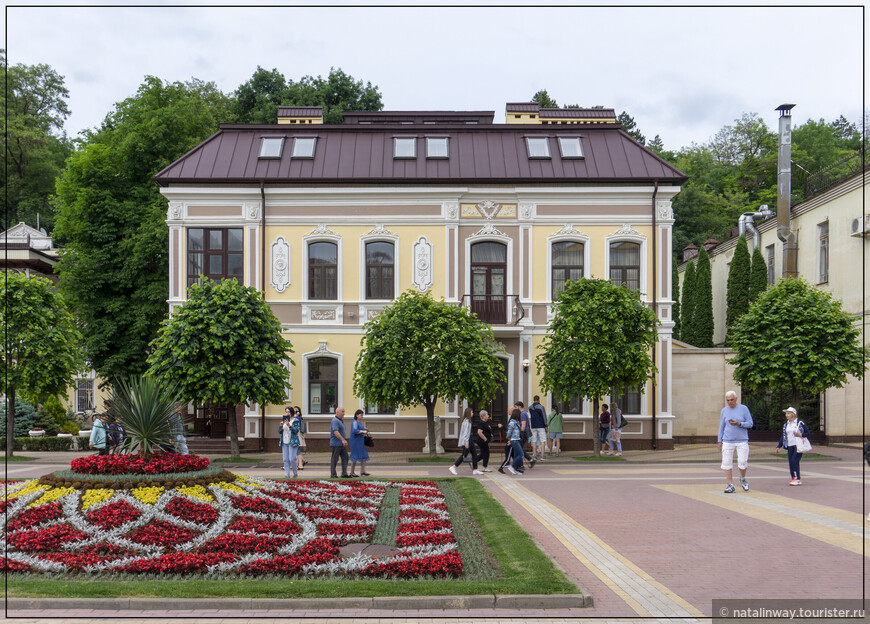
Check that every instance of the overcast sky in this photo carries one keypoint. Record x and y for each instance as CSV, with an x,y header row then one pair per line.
x,y
681,72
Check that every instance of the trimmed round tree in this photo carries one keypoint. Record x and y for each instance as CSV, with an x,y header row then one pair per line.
x,y
797,337
42,347
757,276
223,345
702,315
601,337
419,350
737,296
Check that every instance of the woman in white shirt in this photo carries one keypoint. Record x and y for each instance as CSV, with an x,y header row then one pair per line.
x,y
465,444
791,430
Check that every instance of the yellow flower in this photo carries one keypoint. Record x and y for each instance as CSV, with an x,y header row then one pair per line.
x,y
230,487
147,495
52,495
92,497
30,486
195,491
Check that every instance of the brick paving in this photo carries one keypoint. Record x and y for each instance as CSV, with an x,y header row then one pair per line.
x,y
651,535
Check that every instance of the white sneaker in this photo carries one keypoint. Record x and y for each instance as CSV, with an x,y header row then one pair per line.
x,y
511,470
487,470
476,472
452,469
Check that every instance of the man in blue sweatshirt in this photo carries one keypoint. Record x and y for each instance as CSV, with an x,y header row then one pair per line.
x,y
734,425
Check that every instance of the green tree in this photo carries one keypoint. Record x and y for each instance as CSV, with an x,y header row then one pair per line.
x,y
737,296
601,338
114,264
757,276
797,337
34,99
630,126
419,350
143,406
223,345
544,100
42,350
702,314
687,307
675,296
258,99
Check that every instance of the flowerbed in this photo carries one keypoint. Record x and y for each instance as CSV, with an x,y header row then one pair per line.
x,y
235,527
160,463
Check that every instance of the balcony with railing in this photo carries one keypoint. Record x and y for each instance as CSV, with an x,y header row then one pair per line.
x,y
495,309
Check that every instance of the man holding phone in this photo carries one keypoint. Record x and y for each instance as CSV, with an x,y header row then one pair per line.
x,y
734,425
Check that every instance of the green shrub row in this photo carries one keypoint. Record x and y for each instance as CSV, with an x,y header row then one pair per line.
x,y
45,443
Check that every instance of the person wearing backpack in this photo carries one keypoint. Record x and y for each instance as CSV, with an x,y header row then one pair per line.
x,y
555,426
617,422
538,423
288,440
98,437
303,429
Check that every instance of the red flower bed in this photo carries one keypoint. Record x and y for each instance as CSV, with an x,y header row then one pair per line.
x,y
418,540
247,524
177,563
347,529
13,566
113,515
160,463
286,564
43,540
34,516
257,505
332,514
418,514
236,543
424,526
160,533
449,564
190,511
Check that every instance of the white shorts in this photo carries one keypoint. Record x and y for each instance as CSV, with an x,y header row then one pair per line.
x,y
539,435
728,455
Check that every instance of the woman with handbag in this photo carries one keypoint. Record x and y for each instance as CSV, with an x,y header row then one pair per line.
x,y
466,444
358,452
795,438
303,429
288,440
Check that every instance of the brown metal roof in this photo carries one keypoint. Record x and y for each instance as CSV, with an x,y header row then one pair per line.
x,y
522,107
585,113
351,153
418,117
300,111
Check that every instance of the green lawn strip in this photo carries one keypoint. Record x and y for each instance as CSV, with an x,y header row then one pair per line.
x,y
237,460
477,561
15,458
601,458
388,519
522,569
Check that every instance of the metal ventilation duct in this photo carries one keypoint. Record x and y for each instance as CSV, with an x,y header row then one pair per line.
x,y
783,194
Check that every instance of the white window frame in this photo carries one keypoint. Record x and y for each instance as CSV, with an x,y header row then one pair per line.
x,y
90,376
562,149
429,142
574,238
271,141
321,238
497,238
297,145
644,259
545,141
823,262
375,238
322,352
404,140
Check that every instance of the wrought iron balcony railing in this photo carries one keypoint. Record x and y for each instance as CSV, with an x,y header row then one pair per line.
x,y
495,309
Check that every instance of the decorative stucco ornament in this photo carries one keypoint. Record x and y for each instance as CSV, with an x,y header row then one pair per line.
x,y
627,230
423,264
568,230
280,264
380,230
322,230
175,210
488,208
489,230
526,210
664,209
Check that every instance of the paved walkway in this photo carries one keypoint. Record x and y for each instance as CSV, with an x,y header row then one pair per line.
x,y
652,537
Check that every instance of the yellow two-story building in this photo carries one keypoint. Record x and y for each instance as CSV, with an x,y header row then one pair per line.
x,y
333,222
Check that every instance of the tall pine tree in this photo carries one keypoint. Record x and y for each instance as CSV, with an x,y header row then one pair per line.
x,y
687,307
757,276
737,299
702,315
675,296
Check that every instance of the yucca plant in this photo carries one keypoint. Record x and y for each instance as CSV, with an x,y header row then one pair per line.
x,y
143,405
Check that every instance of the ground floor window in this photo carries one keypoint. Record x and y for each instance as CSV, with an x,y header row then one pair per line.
x,y
627,398
322,385
84,395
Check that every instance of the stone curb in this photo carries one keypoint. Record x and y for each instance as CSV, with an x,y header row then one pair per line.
x,y
396,603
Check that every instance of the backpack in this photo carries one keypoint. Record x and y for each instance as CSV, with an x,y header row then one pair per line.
x,y
622,422
114,434
303,426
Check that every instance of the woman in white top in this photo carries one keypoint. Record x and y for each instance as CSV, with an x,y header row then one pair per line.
x,y
791,430
465,444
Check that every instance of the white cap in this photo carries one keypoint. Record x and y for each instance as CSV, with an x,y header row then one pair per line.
x,y
790,409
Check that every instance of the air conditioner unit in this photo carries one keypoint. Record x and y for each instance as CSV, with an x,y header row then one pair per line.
x,y
861,226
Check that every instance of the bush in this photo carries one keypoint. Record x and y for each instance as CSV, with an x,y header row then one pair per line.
x,y
45,421
25,417
47,444
54,408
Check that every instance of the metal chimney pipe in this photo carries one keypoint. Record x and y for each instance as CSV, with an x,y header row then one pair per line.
x,y
746,223
783,194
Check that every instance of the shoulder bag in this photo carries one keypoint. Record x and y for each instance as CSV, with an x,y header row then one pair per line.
x,y
367,440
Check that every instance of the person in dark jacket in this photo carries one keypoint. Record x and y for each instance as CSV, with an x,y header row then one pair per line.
x,y
791,430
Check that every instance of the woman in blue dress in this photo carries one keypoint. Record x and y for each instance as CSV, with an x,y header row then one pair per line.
x,y
358,452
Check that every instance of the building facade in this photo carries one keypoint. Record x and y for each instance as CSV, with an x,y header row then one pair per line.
x,y
333,222
833,234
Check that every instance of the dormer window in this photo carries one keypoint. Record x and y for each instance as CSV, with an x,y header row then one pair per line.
x,y
270,147
539,147
303,147
436,147
570,147
404,147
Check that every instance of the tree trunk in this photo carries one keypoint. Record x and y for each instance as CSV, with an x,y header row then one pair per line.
x,y
234,435
596,433
430,427
10,422
796,399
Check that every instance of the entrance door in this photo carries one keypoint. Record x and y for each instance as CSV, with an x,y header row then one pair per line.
x,y
488,276
497,406
210,419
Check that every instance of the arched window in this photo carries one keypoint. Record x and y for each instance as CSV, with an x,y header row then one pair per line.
x,y
323,270
567,264
322,385
625,264
380,270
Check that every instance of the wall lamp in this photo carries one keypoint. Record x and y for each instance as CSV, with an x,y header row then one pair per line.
x,y
526,365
